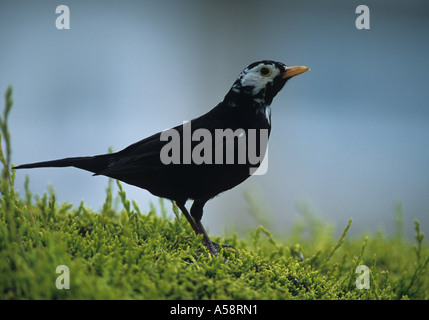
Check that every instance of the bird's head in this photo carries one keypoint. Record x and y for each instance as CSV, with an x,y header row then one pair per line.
x,y
260,82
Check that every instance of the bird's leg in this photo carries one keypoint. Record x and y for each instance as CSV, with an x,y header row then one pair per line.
x,y
195,222
197,227
197,214
191,221
206,240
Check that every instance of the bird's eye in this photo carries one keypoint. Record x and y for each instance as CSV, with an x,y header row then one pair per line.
x,y
265,71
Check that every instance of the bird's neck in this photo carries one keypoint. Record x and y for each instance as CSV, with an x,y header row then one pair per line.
x,y
236,98
247,110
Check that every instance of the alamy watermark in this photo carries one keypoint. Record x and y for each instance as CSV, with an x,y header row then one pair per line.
x,y
63,280
221,147
363,280
62,21
362,21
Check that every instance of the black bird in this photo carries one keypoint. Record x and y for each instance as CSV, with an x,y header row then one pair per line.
x,y
155,164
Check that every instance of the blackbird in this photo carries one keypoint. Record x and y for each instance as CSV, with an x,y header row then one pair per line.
x,y
201,158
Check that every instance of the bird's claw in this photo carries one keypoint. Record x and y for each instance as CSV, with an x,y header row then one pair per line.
x,y
226,246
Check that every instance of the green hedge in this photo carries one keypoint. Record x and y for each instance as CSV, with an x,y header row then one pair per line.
x,y
123,253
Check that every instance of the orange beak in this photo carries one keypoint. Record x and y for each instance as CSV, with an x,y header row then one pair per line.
x,y
294,71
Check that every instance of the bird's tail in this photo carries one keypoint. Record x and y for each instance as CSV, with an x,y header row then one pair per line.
x,y
93,164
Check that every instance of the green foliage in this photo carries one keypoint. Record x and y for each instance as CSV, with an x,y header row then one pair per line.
x,y
127,254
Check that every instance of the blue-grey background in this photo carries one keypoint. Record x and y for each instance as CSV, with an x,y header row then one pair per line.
x,y
350,138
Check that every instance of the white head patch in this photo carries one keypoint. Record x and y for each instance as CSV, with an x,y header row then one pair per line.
x,y
258,76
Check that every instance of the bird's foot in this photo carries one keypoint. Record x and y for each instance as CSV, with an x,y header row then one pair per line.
x,y
226,246
210,246
214,247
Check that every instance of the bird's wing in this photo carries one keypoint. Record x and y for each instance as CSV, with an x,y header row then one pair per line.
x,y
138,157
144,156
